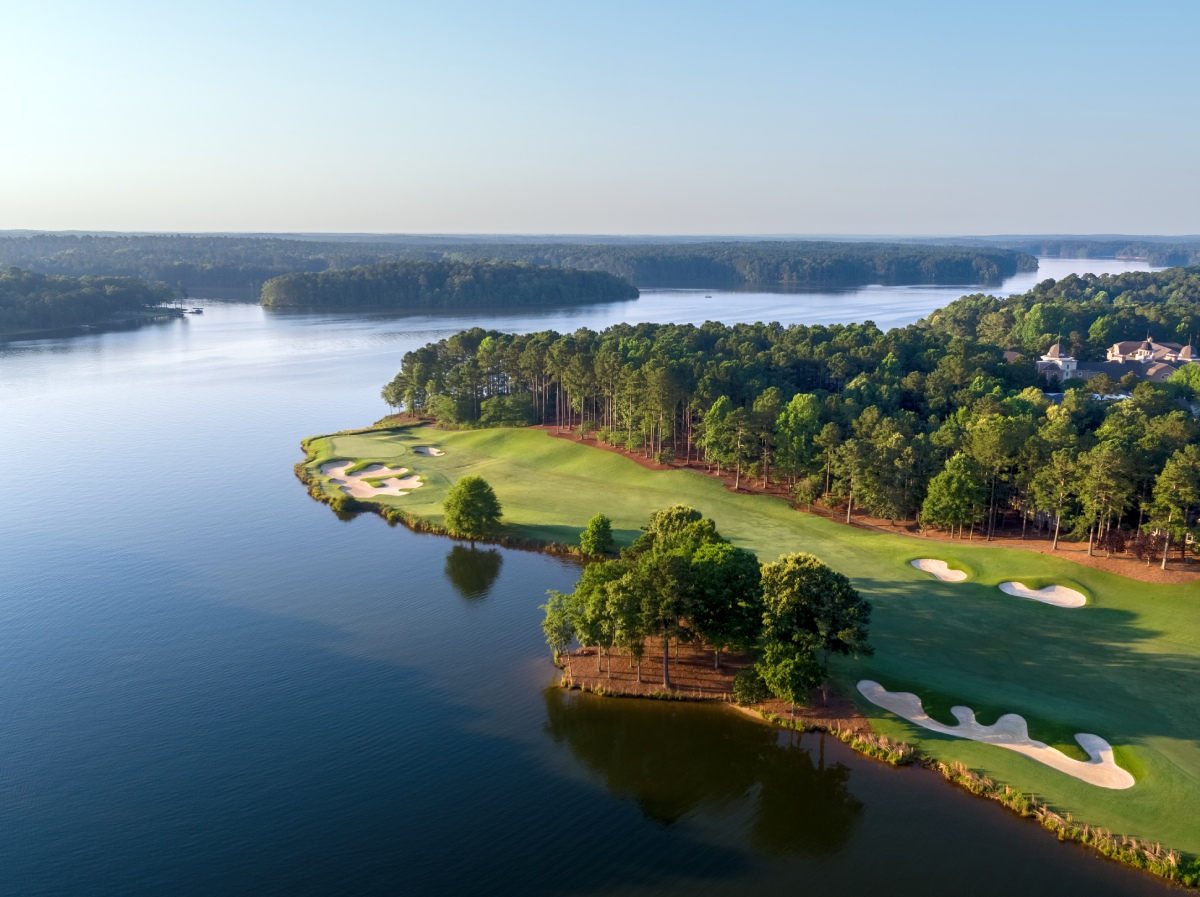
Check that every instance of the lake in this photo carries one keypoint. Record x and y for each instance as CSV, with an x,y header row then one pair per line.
x,y
211,684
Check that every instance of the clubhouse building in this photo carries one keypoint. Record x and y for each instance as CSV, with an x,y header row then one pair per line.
x,y
1145,359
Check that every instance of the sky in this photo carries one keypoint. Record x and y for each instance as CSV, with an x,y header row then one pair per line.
x,y
601,118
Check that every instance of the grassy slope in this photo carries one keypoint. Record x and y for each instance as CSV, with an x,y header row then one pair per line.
x,y
1126,667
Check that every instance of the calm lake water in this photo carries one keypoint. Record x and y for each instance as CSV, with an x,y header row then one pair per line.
x,y
210,684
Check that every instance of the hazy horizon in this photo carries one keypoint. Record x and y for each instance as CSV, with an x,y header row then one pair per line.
x,y
566,237
537,118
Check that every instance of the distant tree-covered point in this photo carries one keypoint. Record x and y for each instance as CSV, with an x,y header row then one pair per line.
x,y
30,301
784,262
1160,253
237,266
416,284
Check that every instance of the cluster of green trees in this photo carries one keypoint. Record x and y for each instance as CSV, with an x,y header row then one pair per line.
x,y
1089,313
919,422
418,285
30,301
240,265
681,581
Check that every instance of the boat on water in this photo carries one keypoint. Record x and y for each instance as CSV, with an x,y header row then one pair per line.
x,y
196,311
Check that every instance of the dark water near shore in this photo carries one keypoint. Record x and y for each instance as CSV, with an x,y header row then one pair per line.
x,y
210,684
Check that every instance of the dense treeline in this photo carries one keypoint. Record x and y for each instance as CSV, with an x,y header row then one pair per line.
x,y
227,263
1159,254
1164,252
918,422
30,301
1089,313
783,262
416,284
244,263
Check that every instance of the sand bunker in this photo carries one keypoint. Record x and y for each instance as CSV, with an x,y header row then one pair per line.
x,y
1010,731
391,481
939,569
428,450
1059,596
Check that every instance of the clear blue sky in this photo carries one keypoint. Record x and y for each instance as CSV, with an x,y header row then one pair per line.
x,y
613,117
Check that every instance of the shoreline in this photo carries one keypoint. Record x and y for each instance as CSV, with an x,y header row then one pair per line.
x,y
1128,568
155,316
1151,857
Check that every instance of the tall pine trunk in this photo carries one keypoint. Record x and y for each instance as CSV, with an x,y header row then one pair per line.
x,y
666,648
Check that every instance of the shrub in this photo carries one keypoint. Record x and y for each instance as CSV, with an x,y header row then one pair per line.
x,y
597,539
749,687
508,411
343,503
448,413
805,492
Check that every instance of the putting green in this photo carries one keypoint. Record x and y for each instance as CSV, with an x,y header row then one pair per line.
x,y
1125,667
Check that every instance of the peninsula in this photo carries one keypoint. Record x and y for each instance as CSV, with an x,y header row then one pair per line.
x,y
929,422
412,285
31,302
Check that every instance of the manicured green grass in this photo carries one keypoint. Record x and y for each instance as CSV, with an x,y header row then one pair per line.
x,y
1125,667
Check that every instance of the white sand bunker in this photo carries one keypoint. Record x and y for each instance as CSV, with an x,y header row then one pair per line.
x,y
1059,596
939,569
1010,731
428,450
391,480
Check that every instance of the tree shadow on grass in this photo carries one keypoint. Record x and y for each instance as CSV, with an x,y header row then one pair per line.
x,y
1077,669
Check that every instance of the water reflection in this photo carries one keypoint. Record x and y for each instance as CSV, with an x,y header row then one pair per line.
x,y
473,571
673,760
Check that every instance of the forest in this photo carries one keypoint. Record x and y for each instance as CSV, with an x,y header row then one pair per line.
x,y
1089,313
778,262
240,265
415,284
30,301
924,422
1159,253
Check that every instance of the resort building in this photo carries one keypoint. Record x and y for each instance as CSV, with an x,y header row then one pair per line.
x,y
1149,350
1146,360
